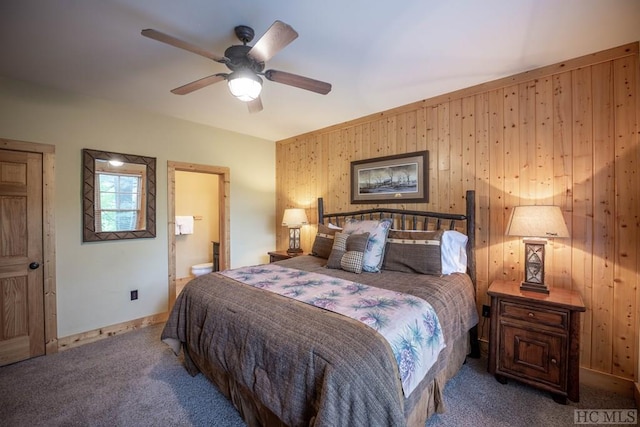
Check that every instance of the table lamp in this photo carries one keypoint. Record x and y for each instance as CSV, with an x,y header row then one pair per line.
x,y
536,224
294,219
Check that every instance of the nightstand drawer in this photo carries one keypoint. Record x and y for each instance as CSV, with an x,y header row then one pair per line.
x,y
273,256
535,315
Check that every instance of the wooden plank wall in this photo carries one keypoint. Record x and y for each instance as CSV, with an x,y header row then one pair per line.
x,y
566,134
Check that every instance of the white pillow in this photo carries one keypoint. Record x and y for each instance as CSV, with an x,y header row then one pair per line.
x,y
454,252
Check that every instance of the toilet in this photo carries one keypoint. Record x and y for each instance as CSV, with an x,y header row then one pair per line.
x,y
200,269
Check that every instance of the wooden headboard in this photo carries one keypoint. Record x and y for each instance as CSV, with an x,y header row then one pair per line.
x,y
418,220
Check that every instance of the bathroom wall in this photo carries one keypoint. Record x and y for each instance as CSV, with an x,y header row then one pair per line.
x,y
196,195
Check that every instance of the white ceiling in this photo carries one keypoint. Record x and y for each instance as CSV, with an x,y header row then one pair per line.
x,y
377,54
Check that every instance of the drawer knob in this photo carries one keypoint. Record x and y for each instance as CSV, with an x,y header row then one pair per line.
x,y
531,314
554,361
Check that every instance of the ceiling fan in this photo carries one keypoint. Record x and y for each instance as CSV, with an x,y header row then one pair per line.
x,y
246,64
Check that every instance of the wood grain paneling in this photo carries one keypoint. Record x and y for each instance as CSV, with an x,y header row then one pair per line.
x,y
601,319
627,209
565,134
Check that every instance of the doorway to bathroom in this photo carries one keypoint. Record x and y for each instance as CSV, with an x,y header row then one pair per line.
x,y
198,196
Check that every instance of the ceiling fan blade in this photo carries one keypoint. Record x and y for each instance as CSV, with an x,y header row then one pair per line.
x,y
273,41
255,106
165,38
298,81
199,84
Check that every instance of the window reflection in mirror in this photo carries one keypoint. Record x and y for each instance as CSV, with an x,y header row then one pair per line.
x,y
118,196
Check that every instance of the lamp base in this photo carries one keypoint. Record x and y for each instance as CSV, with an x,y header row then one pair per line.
x,y
294,241
534,266
534,287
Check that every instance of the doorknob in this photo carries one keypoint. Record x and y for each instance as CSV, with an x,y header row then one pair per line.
x,y
34,265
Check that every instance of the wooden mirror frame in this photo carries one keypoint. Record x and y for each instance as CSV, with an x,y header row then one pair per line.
x,y
89,233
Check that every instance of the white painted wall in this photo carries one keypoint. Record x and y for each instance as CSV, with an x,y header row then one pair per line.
x,y
196,195
94,279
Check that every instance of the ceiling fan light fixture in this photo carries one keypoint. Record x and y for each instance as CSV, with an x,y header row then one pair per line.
x,y
244,85
247,64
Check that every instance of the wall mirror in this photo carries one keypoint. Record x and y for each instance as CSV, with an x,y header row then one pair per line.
x,y
118,196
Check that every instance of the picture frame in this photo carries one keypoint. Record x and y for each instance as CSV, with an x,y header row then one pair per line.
x,y
391,179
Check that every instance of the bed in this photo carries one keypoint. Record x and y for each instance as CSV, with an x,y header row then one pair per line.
x,y
285,362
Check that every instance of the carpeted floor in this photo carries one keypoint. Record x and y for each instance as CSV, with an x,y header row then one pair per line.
x,y
133,379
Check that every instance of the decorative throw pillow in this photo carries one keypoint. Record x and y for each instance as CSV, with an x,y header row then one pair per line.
x,y
339,248
414,252
352,261
348,252
324,241
378,230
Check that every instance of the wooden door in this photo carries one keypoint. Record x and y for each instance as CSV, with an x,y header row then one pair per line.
x,y
21,257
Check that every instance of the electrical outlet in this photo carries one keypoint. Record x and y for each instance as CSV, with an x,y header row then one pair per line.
x,y
486,311
134,295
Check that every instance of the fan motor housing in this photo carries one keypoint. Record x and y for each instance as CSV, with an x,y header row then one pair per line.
x,y
244,33
240,60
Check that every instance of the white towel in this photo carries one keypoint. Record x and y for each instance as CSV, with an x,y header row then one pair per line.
x,y
184,225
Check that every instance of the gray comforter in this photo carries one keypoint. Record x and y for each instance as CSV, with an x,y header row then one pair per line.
x,y
307,365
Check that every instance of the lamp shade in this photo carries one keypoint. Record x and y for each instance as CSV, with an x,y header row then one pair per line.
x,y
294,217
244,85
537,221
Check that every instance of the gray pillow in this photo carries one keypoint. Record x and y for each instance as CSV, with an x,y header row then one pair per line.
x,y
348,252
414,252
324,241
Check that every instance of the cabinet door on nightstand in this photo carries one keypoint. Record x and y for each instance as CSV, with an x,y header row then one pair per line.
x,y
532,354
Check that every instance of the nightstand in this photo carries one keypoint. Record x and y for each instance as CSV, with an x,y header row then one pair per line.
x,y
280,255
535,338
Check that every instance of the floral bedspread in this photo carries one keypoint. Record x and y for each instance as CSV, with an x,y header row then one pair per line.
x,y
408,323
